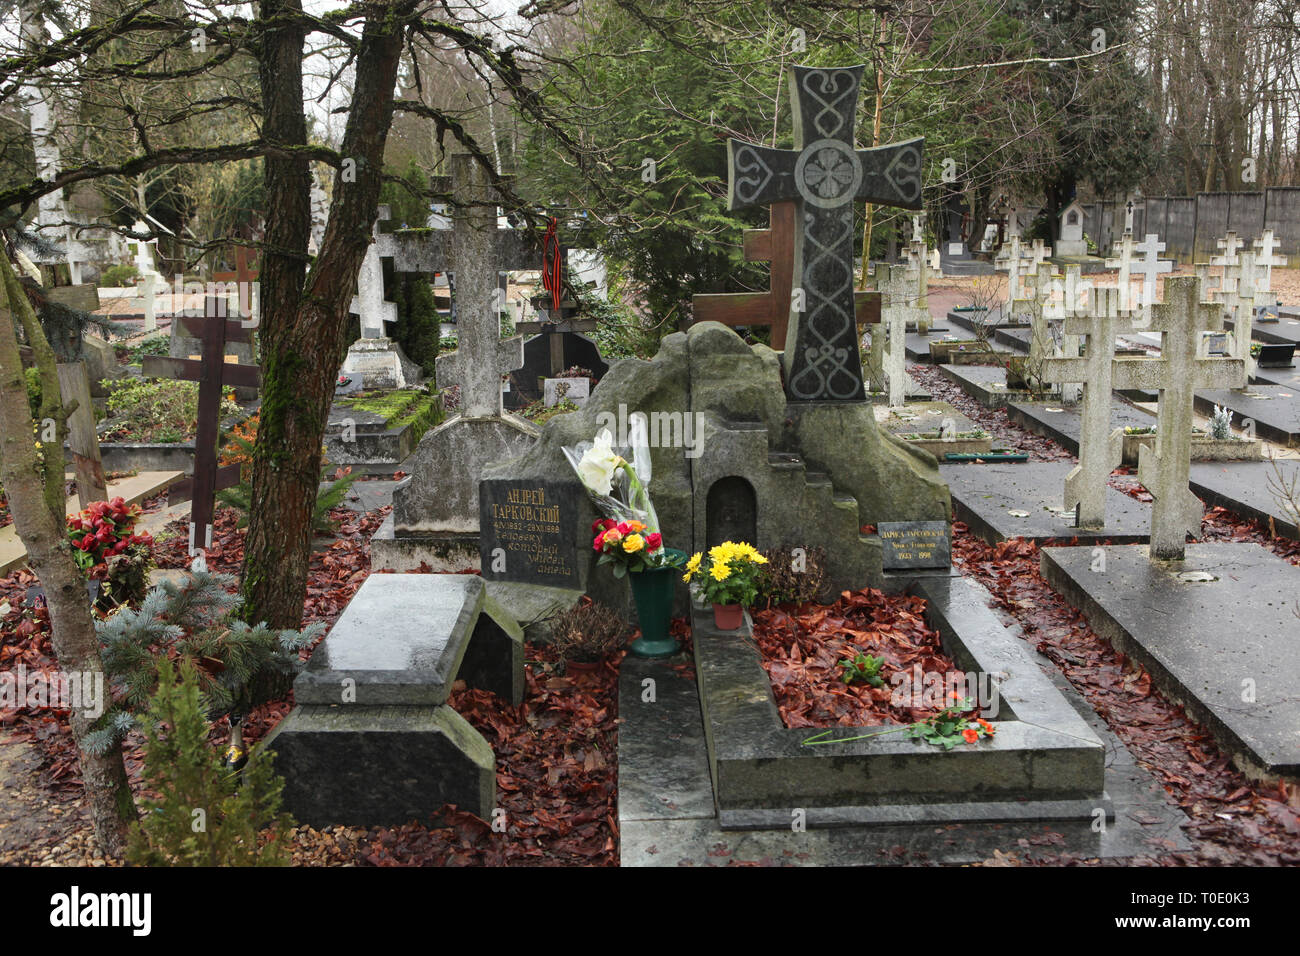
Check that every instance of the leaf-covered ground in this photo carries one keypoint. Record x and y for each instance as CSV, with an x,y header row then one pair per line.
x,y
803,649
556,754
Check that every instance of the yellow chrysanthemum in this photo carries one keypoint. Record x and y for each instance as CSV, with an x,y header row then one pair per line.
x,y
633,542
720,572
693,565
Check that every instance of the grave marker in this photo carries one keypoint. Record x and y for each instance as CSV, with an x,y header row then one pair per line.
x,y
1181,369
1148,267
915,544
480,252
528,530
1100,448
825,175
1265,247
212,372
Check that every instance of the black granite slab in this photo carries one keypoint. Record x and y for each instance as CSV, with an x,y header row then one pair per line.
x,y
1250,488
1285,330
1275,410
1225,648
1064,423
984,495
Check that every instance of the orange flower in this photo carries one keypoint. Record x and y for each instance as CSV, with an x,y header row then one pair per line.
x,y
988,728
971,735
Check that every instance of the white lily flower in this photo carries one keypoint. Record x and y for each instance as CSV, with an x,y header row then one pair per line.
x,y
599,464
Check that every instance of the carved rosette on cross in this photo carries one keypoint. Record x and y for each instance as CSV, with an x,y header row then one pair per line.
x,y
824,175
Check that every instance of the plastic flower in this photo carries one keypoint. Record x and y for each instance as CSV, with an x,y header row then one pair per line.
x,y
633,543
599,463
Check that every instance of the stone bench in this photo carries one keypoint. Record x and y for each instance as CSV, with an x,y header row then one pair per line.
x,y
371,740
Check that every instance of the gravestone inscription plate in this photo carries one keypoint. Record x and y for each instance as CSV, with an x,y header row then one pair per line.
x,y
528,530
915,544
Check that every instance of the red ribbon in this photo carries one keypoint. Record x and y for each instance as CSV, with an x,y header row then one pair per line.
x,y
553,265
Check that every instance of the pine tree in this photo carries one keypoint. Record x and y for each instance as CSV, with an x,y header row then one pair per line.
x,y
205,816
238,665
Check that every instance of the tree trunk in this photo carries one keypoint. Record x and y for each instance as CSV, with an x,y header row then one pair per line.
x,y
304,320
37,503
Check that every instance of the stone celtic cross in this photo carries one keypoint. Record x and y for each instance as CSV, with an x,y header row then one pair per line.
x,y
825,175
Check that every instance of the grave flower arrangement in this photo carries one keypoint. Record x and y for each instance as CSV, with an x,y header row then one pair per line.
x,y
107,548
727,576
627,536
946,729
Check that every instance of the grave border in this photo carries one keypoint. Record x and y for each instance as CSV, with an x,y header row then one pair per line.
x,y
754,759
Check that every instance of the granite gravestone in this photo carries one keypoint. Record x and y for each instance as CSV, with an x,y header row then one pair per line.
x,y
825,175
528,530
915,544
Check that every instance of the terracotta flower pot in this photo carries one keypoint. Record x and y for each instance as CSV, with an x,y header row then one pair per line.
x,y
582,667
728,617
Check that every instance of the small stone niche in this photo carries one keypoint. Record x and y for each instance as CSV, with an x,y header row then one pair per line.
x,y
731,512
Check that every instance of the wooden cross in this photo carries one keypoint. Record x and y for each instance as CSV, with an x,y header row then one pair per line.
x,y
824,175
556,324
74,383
213,373
244,278
774,245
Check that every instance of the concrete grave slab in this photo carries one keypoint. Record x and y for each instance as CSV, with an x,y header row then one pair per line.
x,y
1247,488
1044,763
1275,410
918,344
1224,648
984,496
987,384
402,640
1063,423
1285,331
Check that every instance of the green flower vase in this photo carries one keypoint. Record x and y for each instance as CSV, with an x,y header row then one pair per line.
x,y
652,590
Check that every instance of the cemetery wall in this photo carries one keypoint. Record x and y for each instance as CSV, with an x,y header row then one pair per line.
x,y
1190,226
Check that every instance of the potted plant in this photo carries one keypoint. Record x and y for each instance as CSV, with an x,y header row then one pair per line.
x,y
586,634
728,577
628,537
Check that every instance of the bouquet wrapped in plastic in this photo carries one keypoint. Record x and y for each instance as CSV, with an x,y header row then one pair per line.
x,y
618,481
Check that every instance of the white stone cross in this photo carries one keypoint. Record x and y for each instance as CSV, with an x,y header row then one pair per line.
x,y
919,272
1124,262
1039,253
369,302
1128,217
1073,303
1148,267
1100,447
149,281
1183,367
1229,245
895,310
1238,300
1016,258
1265,247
